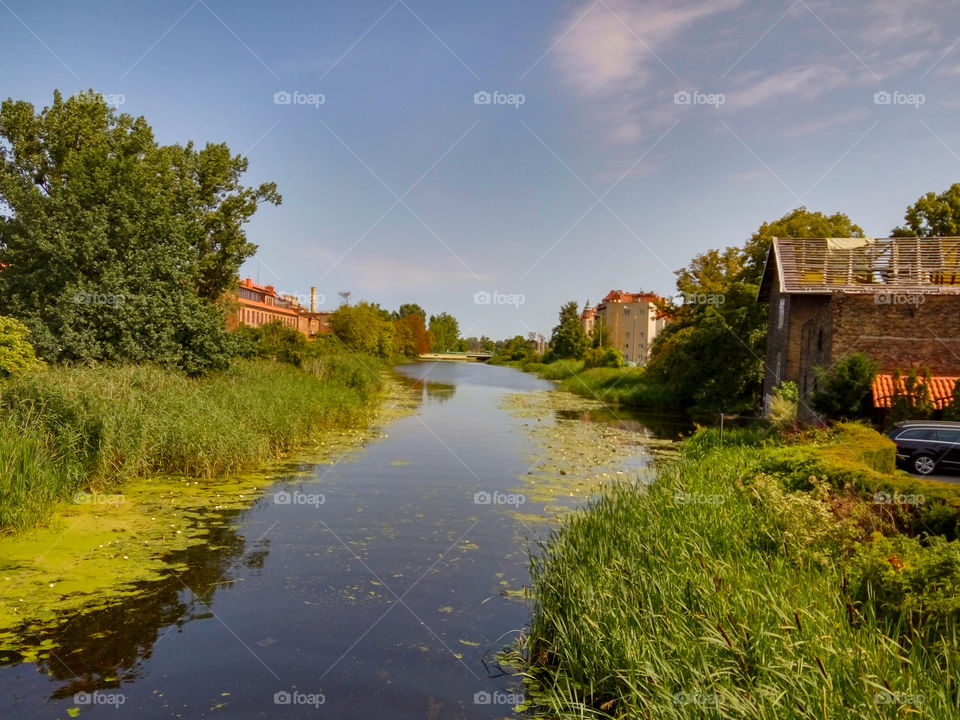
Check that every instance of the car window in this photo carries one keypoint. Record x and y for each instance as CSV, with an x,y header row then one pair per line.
x,y
918,434
948,435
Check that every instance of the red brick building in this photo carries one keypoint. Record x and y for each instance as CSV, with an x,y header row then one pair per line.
x,y
261,304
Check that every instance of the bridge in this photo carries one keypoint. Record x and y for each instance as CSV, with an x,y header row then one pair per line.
x,y
456,356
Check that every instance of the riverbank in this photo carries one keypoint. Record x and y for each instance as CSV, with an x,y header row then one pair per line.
x,y
623,386
65,431
758,578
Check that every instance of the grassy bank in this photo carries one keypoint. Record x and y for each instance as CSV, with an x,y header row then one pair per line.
x,y
64,430
625,386
735,587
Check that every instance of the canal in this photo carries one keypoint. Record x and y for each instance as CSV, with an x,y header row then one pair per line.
x,y
381,583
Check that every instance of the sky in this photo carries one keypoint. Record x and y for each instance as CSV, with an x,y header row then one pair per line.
x,y
497,159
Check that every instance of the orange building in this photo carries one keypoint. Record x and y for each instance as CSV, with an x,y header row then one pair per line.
x,y
261,304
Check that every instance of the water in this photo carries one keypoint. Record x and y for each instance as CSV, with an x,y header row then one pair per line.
x,y
389,598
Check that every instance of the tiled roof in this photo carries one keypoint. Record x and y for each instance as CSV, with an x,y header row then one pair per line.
x,y
941,390
863,265
625,297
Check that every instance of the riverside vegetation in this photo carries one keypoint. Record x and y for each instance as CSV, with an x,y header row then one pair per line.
x,y
757,577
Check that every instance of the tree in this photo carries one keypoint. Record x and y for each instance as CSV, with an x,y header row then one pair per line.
x,y
710,354
412,309
844,392
568,339
114,247
798,223
445,330
16,353
517,348
283,343
933,215
360,327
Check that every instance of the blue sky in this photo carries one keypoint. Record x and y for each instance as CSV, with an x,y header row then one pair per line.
x,y
400,188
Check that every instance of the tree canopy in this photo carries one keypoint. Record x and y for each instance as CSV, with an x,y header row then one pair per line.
x,y
113,246
568,339
446,332
933,215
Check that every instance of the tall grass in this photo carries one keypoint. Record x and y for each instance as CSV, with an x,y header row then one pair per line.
x,y
627,386
65,429
714,593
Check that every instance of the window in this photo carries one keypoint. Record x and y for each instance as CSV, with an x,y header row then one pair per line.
x,y
626,311
918,434
781,313
950,436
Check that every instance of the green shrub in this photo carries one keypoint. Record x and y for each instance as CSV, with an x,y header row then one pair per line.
x,y
608,357
561,369
844,392
16,353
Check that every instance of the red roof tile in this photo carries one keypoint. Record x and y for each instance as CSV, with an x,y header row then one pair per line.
x,y
941,390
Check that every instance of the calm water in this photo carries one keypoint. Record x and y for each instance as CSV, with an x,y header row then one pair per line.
x,y
385,600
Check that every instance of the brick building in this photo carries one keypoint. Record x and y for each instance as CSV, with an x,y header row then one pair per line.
x,y
632,321
260,304
895,299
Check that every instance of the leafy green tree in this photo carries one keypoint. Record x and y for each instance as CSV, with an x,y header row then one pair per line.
x,y
412,309
603,357
599,335
952,411
16,353
933,214
914,402
568,339
446,332
844,392
362,327
517,348
115,247
283,343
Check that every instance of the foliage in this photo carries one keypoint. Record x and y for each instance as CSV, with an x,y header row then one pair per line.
x,y
785,403
16,353
914,402
560,369
933,214
445,331
952,411
412,336
517,348
605,357
407,309
364,328
67,429
568,339
114,247
844,392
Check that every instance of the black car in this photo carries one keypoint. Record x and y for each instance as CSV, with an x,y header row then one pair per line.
x,y
925,446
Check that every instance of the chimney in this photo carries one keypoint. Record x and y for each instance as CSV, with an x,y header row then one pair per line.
x,y
313,299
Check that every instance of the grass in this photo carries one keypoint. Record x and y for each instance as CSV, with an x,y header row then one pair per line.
x,y
68,429
721,592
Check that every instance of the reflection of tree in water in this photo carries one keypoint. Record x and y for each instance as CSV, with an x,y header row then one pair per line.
x,y
99,649
669,427
430,389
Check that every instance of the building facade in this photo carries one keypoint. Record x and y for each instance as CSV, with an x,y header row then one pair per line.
x,y
895,299
261,304
631,320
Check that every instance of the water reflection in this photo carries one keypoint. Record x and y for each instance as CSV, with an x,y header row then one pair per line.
x,y
651,425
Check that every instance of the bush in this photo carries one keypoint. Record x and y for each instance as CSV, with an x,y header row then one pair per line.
x,y
561,369
784,405
16,353
608,357
845,391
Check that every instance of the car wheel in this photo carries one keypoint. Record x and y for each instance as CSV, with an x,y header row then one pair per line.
x,y
924,464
